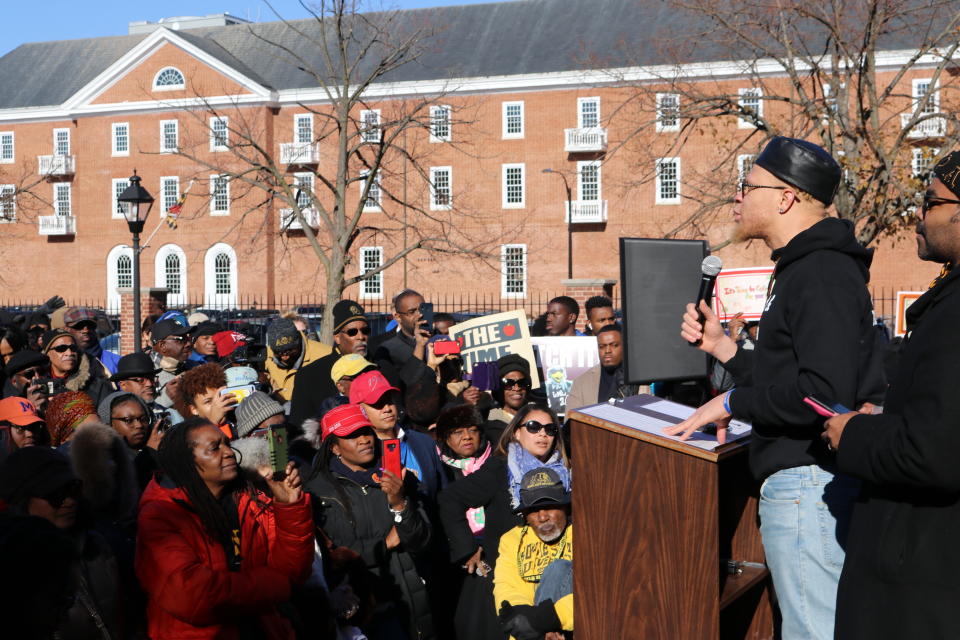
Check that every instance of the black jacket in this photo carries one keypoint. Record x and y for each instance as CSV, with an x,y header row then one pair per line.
x,y
363,528
816,336
312,385
900,577
415,379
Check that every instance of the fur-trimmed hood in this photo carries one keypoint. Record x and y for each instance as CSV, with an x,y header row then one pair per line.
x,y
102,460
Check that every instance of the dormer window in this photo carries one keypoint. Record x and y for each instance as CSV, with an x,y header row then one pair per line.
x,y
168,79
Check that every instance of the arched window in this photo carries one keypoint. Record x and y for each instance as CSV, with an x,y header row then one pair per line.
x,y
167,79
170,271
220,276
124,271
119,275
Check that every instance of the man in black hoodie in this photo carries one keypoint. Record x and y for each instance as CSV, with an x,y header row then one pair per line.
x,y
815,337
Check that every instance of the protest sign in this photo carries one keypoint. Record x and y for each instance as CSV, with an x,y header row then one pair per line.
x,y
487,338
904,300
742,291
562,360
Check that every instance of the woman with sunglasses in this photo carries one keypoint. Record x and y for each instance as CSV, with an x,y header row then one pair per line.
x,y
531,440
39,481
71,369
513,393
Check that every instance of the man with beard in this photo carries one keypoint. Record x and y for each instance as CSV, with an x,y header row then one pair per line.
x,y
816,338
82,323
534,578
604,381
899,578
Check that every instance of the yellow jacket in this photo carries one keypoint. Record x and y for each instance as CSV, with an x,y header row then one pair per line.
x,y
510,586
282,379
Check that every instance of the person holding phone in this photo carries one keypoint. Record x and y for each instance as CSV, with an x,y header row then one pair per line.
x,y
366,508
202,392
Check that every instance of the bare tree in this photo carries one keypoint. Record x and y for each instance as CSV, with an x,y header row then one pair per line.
x,y
373,153
822,71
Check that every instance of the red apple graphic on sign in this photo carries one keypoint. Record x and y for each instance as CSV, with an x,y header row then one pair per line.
x,y
509,330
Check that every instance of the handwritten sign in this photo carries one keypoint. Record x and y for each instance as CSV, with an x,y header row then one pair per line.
x,y
904,300
487,338
742,291
562,360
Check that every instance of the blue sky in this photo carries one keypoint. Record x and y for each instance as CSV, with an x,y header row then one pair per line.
x,y
69,19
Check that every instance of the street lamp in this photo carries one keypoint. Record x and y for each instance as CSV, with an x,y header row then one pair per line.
x,y
136,207
566,185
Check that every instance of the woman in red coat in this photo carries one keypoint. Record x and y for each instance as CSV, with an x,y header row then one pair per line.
x,y
214,555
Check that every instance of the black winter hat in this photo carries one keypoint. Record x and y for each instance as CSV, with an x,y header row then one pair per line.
x,y
513,362
802,164
34,472
456,417
24,360
346,311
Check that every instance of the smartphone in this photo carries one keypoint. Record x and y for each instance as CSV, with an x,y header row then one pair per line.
x,y
240,393
826,409
446,347
391,456
277,441
426,322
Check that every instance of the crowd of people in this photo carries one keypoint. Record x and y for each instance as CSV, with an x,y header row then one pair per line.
x,y
209,486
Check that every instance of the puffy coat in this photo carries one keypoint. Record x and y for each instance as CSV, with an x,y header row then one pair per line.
x,y
192,593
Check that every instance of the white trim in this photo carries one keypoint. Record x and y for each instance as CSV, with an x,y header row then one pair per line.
x,y
226,133
213,181
672,127
160,273
917,158
66,188
13,145
114,183
113,297
434,206
657,198
169,87
523,125
113,140
580,103
434,110
580,167
365,294
751,92
742,159
12,190
370,133
503,271
210,296
163,137
523,186
297,117
933,105
162,194
57,130
375,193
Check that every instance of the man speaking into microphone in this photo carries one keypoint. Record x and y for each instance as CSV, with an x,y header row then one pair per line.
x,y
816,338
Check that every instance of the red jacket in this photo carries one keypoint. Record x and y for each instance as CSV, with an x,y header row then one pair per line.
x,y
191,592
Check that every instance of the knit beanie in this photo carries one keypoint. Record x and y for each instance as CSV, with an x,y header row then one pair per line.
x,y
282,335
256,408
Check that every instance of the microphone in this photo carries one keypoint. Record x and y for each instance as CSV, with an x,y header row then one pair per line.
x,y
710,269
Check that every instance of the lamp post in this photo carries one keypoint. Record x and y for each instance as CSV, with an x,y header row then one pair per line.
x,y
566,185
137,204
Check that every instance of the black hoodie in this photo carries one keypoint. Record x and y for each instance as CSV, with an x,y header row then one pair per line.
x,y
816,336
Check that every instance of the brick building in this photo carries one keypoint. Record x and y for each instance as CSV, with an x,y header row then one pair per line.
x,y
518,97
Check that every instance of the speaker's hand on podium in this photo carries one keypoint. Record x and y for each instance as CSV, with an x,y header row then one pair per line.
x,y
712,411
713,339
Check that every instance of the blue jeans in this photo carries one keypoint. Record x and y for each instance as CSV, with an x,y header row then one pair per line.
x,y
555,582
804,519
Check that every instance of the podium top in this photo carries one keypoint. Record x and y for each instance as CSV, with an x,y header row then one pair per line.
x,y
643,417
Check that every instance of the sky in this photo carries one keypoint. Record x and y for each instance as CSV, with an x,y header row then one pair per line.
x,y
71,19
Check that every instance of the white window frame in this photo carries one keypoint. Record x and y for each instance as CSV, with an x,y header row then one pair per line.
x,y
113,297
117,153
117,186
163,194
441,115
917,156
370,132
661,98
523,128
13,147
750,92
658,198
62,206
933,105
523,186
160,273
742,160
170,87
434,205
12,190
211,297
56,132
163,137
582,101
367,291
214,146
297,119
581,165
299,180
214,211
504,293
375,193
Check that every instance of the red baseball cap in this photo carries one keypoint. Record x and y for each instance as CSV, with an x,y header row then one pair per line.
x,y
369,387
228,341
344,420
18,411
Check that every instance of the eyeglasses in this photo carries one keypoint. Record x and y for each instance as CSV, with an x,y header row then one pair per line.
x,y
410,312
929,202
287,353
30,374
355,330
139,380
129,420
532,426
61,348
72,489
743,185
177,338
509,383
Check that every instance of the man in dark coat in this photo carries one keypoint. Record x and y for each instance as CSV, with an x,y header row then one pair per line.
x,y
900,576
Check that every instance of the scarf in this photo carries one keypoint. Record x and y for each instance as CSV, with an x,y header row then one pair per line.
x,y
520,461
475,517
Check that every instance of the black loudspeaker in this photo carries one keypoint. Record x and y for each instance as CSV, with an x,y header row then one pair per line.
x,y
659,278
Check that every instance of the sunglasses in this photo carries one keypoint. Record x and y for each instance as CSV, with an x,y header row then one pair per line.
x,y
532,426
178,338
523,383
62,348
354,331
129,420
73,489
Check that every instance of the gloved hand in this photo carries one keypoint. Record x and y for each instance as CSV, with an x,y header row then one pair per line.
x,y
528,622
52,305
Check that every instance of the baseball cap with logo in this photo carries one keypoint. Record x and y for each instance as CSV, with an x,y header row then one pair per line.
x,y
228,341
349,365
18,411
542,488
343,420
369,387
166,328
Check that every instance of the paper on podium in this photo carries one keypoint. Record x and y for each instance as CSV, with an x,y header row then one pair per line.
x,y
652,414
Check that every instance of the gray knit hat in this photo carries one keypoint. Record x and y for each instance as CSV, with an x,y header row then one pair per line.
x,y
282,334
256,408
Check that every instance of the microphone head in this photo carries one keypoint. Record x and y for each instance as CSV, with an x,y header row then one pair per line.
x,y
711,266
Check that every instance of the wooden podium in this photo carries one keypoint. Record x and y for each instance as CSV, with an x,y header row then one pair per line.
x,y
654,518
